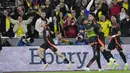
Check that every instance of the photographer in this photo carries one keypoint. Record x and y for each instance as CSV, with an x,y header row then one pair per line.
x,y
80,40
24,41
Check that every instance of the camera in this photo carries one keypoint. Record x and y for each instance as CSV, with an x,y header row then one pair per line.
x,y
27,40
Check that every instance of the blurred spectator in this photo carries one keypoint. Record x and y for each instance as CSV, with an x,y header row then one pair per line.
x,y
6,26
77,7
19,11
23,41
18,3
84,2
109,2
55,26
61,21
69,26
122,14
48,8
32,33
54,3
39,22
56,11
26,4
20,25
69,3
125,4
74,15
36,3
103,10
36,15
6,43
63,7
81,17
114,9
105,25
125,26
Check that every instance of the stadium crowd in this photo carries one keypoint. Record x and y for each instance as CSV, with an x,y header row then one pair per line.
x,y
64,16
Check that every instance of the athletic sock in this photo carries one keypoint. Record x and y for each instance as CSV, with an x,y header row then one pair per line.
x,y
44,61
106,56
66,60
110,55
123,57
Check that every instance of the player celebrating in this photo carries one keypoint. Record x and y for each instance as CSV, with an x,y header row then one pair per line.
x,y
49,44
115,42
94,41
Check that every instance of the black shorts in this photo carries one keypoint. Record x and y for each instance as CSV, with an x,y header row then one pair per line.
x,y
115,43
49,46
99,40
93,39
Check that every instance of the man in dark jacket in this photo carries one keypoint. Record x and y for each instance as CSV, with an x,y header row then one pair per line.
x,y
125,25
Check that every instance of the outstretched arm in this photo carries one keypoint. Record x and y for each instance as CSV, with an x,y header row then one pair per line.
x,y
12,20
29,20
89,5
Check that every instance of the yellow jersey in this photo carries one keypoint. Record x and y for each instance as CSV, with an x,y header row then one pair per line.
x,y
105,27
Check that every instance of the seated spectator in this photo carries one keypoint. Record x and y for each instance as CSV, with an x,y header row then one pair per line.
x,y
20,25
105,25
115,9
125,26
23,41
80,40
32,33
69,26
6,27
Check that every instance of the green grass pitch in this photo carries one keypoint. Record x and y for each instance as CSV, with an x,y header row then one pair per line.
x,y
111,71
